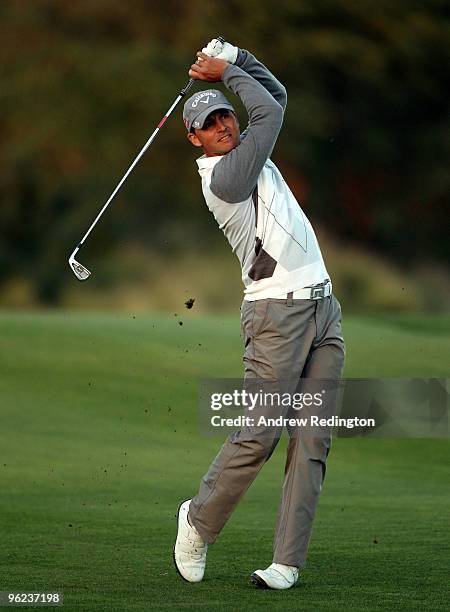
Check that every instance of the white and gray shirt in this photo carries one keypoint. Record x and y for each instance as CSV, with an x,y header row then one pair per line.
x,y
263,222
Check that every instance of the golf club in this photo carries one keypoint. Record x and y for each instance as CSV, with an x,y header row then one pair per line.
x,y
79,270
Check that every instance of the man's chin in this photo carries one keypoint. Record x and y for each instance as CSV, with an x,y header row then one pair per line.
x,y
221,148
225,147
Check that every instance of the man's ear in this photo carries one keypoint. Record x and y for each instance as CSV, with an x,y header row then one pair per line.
x,y
193,139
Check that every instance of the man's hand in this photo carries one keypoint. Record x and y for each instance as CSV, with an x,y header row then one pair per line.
x,y
207,68
221,50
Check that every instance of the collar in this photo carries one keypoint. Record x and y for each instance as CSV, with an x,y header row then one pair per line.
x,y
208,162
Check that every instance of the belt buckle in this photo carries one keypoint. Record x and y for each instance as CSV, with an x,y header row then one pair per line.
x,y
317,293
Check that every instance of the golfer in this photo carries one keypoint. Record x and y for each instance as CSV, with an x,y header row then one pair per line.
x,y
291,322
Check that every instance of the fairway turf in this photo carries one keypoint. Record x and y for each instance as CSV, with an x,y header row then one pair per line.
x,y
100,443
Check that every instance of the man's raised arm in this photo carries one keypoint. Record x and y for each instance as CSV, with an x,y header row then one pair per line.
x,y
248,62
258,71
235,176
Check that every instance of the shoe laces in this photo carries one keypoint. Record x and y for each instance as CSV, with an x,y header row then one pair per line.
x,y
193,549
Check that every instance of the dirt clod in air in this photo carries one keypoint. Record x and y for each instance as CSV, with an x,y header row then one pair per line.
x,y
180,322
189,303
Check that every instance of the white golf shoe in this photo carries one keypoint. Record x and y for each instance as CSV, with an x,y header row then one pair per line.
x,y
276,576
189,552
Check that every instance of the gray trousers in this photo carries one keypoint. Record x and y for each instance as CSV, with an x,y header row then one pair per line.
x,y
285,340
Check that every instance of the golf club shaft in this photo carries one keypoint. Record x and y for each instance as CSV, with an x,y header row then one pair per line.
x,y
140,154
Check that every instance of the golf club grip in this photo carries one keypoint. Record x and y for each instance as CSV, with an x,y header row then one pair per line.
x,y
187,87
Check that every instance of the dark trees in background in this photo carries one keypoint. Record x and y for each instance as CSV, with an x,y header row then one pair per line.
x,y
365,144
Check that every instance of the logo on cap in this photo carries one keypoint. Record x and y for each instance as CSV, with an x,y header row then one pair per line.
x,y
201,95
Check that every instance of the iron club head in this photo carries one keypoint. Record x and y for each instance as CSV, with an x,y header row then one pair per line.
x,y
79,270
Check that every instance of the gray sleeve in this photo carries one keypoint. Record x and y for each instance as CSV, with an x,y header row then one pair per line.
x,y
258,71
234,177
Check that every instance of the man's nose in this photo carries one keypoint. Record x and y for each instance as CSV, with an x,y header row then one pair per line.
x,y
220,125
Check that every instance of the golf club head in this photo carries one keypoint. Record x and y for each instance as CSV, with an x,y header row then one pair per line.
x,y
80,271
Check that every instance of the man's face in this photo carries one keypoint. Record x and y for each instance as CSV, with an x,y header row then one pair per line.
x,y
219,134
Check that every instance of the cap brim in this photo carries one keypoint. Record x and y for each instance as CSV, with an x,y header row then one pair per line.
x,y
201,118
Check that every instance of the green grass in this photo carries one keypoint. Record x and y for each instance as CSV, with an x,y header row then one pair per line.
x,y
100,442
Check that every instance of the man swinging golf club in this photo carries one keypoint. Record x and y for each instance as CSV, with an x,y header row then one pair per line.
x,y
291,321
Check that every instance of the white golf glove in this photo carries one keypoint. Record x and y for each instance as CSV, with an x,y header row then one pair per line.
x,y
224,51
